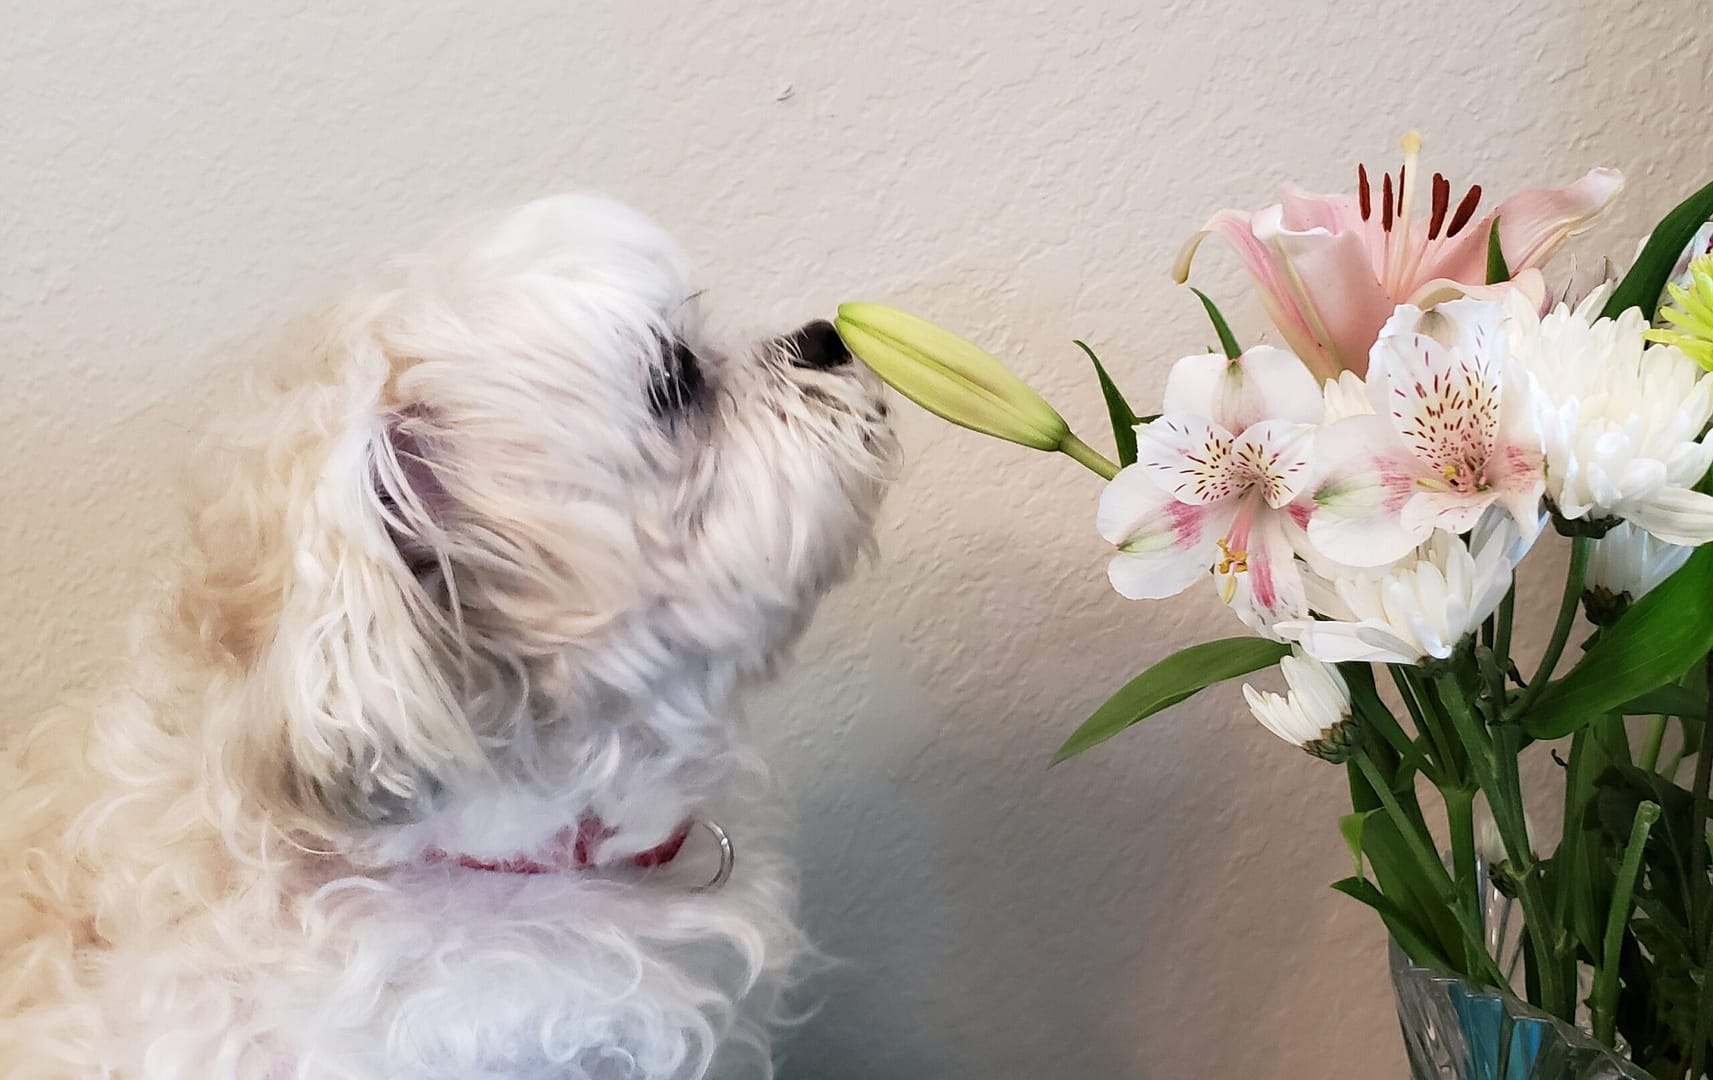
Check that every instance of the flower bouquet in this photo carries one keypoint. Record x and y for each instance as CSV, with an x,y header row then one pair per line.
x,y
1360,497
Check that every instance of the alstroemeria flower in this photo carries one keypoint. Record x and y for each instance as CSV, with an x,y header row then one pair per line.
x,y
1418,610
1621,421
1331,268
1216,485
1451,435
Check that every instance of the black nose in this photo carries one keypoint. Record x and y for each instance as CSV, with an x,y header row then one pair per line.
x,y
817,345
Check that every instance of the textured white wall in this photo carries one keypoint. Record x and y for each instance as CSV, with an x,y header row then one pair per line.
x,y
178,185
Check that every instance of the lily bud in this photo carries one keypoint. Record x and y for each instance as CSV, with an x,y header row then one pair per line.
x,y
952,378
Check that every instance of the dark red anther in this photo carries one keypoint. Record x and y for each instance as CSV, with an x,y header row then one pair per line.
x,y
1363,199
1441,200
1386,204
1465,211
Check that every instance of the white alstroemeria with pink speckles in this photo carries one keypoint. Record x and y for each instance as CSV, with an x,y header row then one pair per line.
x,y
1219,486
1452,433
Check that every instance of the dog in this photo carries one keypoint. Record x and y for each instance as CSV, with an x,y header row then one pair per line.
x,y
396,786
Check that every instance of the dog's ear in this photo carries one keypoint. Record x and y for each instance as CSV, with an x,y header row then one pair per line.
x,y
360,665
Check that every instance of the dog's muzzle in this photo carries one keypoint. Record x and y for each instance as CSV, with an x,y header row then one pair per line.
x,y
817,346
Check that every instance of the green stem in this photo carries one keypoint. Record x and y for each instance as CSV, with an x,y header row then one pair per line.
x,y
1087,456
1502,636
1604,1003
1460,823
1651,748
1568,604
1377,716
1703,1020
1432,719
1702,916
1495,765
1412,831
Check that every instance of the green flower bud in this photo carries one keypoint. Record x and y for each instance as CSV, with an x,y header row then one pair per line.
x,y
950,377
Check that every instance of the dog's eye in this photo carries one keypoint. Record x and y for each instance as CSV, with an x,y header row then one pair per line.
x,y
677,383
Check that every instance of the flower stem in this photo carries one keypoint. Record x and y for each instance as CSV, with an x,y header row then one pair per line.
x,y
1701,918
1087,456
1494,762
1460,823
1480,964
1603,1004
1502,637
1651,748
1572,599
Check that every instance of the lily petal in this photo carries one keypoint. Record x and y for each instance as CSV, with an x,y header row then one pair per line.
x,y
1533,223
1339,295
1278,295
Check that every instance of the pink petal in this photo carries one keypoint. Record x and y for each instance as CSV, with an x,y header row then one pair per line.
x,y
1369,475
1342,302
1278,295
1533,223
1303,210
1164,545
1270,589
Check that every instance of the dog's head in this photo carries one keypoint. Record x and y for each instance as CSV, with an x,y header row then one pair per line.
x,y
524,520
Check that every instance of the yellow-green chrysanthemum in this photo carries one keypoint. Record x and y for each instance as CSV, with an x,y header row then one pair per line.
x,y
1691,314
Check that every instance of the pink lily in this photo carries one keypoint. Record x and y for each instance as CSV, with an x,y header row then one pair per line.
x,y
1331,268
1220,486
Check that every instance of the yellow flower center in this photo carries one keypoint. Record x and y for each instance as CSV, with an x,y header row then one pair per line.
x,y
1232,562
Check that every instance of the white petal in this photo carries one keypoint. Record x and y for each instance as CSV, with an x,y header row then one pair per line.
x,y
1164,545
1675,515
1278,454
1337,643
1192,458
1265,383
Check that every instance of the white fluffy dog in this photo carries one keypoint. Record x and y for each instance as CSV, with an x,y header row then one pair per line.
x,y
459,653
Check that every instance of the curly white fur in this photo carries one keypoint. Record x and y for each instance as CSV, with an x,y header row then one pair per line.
x,y
492,561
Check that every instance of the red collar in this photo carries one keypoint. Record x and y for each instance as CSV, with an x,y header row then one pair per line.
x,y
569,850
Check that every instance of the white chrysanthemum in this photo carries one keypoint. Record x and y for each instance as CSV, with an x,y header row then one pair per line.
x,y
1419,609
1345,396
1625,565
1621,421
1313,714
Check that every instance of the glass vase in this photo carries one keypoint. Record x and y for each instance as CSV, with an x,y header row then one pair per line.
x,y
1457,1030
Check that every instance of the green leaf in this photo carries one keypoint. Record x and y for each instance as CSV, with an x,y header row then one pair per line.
x,y
1170,681
1414,944
1497,271
1226,340
1645,283
1350,827
1668,700
1411,887
1124,421
1652,645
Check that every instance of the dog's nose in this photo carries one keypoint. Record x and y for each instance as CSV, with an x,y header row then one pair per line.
x,y
817,345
